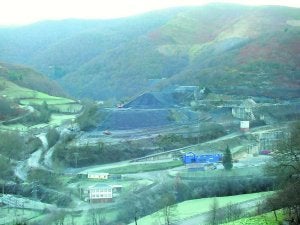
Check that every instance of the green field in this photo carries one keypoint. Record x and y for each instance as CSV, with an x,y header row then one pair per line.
x,y
13,91
145,167
235,172
66,108
12,215
267,218
12,127
50,100
31,97
191,208
57,119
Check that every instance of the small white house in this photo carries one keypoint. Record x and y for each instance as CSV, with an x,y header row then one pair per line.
x,y
244,125
99,176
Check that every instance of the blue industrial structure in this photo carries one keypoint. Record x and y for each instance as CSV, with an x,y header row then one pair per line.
x,y
191,157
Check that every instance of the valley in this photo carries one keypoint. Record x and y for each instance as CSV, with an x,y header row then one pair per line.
x,y
186,115
155,161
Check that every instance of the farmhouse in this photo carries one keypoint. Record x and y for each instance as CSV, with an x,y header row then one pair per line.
x,y
100,193
99,176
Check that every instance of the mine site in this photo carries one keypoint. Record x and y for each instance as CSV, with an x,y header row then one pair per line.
x,y
185,114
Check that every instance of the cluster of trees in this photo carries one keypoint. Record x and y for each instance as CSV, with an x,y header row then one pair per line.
x,y
171,141
43,177
85,155
15,146
6,170
41,114
286,168
90,116
12,145
6,109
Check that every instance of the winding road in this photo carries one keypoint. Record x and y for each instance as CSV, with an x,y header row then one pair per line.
x,y
23,167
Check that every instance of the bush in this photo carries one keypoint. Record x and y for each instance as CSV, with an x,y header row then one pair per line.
x,y
52,137
33,143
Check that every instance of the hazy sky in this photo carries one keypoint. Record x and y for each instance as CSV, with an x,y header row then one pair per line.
x,y
14,12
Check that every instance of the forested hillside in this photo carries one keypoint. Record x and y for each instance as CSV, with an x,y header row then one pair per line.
x,y
230,49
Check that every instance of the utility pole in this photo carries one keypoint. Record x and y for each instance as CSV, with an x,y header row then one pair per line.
x,y
3,185
199,128
34,190
76,158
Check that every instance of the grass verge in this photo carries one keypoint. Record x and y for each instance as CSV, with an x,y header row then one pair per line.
x,y
145,167
266,218
195,207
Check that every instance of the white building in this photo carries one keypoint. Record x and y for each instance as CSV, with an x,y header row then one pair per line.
x,y
244,125
99,176
100,193
245,110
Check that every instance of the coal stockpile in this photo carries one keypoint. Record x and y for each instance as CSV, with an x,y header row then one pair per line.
x,y
149,101
136,119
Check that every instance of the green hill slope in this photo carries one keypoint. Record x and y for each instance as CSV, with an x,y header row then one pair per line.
x,y
228,48
28,78
29,99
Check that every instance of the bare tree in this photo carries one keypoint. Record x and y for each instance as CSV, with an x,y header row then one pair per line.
x,y
213,218
232,212
168,211
59,217
96,216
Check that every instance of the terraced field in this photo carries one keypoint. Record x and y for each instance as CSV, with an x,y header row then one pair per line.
x,y
66,109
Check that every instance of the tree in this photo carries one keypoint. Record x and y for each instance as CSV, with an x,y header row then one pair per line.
x,y
227,159
165,197
52,137
89,117
285,166
5,108
132,209
5,168
213,218
59,217
168,212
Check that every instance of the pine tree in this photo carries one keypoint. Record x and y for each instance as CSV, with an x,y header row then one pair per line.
x,y
227,159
